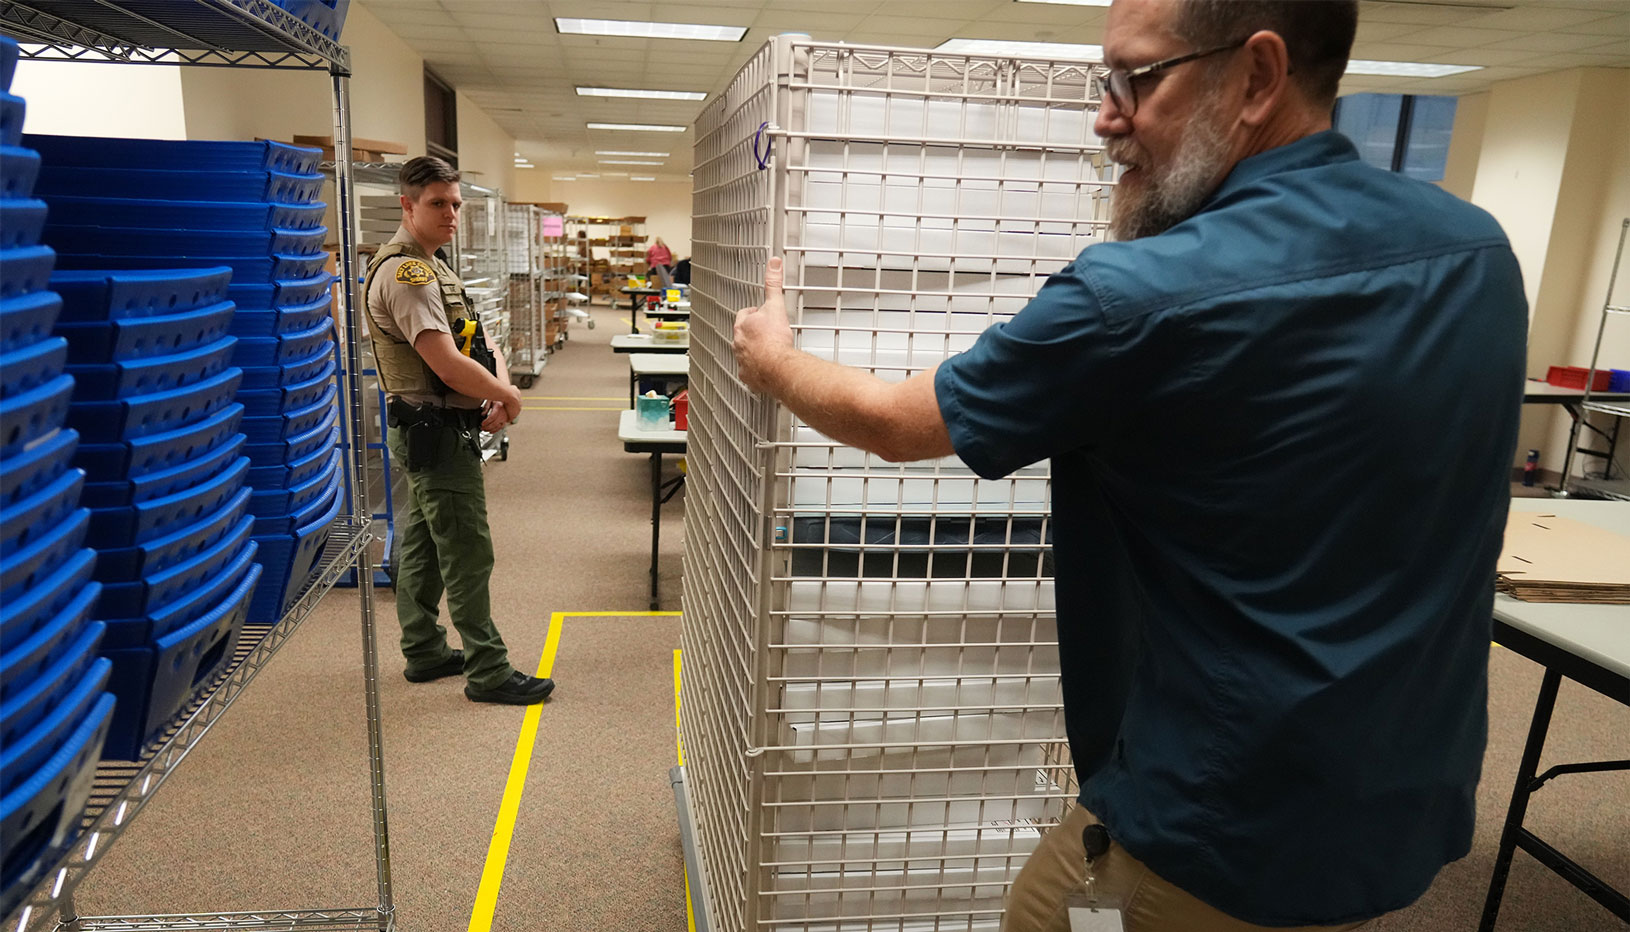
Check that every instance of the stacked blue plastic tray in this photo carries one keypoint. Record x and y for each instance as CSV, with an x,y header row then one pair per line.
x,y
254,209
54,708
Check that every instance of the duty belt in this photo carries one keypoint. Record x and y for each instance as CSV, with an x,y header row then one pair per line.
x,y
400,413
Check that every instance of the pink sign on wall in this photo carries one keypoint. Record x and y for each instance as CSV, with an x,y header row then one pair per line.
x,y
554,226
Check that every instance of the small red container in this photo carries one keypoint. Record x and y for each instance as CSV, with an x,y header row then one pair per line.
x,y
1574,377
681,404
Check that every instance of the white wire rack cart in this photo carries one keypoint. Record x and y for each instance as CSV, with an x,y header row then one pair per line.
x,y
1615,310
873,730
480,254
557,281
525,300
225,33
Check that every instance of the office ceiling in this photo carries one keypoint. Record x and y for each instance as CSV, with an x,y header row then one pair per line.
x,y
507,56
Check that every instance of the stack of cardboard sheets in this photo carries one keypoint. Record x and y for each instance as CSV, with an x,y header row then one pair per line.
x,y
1552,559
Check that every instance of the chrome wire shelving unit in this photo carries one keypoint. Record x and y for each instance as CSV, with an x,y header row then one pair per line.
x,y
221,33
480,256
525,301
873,729
1615,314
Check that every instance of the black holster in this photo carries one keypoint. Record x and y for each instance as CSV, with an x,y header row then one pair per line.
x,y
430,434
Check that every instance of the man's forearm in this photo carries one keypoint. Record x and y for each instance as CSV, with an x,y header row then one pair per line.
x,y
468,377
856,408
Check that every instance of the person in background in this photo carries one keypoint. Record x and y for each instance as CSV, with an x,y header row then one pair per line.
x,y
442,391
661,260
1281,410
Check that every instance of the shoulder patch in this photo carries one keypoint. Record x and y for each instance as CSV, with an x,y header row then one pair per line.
x,y
414,272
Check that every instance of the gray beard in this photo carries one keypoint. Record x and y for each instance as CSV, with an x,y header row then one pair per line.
x,y
1174,195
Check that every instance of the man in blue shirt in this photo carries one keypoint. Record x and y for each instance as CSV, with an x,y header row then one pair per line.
x,y
1280,411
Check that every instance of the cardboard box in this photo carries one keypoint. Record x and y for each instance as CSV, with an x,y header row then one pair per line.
x,y
362,150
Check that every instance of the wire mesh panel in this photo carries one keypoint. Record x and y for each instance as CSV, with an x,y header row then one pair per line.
x,y
872,713
525,300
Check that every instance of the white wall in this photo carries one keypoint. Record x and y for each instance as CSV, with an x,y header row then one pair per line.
x,y
666,205
1553,169
483,148
92,99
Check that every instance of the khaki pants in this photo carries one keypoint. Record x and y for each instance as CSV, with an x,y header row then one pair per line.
x,y
1149,904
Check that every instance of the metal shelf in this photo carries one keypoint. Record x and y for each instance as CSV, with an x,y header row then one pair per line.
x,y
222,33
123,788
1618,410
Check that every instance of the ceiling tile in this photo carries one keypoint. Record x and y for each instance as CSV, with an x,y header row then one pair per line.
x,y
1552,42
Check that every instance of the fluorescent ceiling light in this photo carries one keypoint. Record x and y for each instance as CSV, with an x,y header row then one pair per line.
x,y
627,162
643,30
520,165
642,178
630,92
639,127
646,155
1021,49
1407,69
588,174
1071,2
565,178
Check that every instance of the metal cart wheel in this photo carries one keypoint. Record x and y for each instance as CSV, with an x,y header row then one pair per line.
x,y
503,450
526,381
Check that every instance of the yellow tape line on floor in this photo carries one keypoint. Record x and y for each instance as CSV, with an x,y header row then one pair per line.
x,y
492,875
623,407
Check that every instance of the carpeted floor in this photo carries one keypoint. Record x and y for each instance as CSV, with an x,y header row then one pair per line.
x,y
271,810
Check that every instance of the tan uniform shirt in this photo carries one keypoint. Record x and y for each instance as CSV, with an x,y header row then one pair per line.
x,y
411,300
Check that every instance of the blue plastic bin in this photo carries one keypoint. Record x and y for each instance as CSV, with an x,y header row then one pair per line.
x,y
261,378
153,683
21,616
33,414
178,613
280,428
128,459
156,413
129,564
288,475
109,240
175,155
8,61
297,447
129,525
27,319
12,109
291,294
271,402
36,467
163,482
21,222
118,294
19,168
275,509
20,759
41,816
291,560
288,348
281,321
35,516
261,269
271,186
94,342
131,378
166,586
183,215
32,366
25,269
40,672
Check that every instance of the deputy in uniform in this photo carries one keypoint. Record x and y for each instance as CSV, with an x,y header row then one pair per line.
x,y
445,384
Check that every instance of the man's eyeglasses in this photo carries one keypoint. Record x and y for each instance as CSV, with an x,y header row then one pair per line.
x,y
1117,84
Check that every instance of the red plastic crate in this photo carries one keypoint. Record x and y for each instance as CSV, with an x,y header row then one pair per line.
x,y
1574,377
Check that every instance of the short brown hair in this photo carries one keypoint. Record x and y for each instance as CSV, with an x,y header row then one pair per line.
x,y
424,170
1318,34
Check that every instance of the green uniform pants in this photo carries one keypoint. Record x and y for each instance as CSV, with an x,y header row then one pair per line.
x,y
443,545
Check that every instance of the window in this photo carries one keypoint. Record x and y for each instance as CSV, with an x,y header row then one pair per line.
x,y
440,119
1399,132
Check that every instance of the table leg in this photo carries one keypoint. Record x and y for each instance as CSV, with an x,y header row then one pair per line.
x,y
1519,796
656,521
633,313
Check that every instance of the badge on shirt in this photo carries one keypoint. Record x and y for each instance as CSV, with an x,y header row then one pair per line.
x,y
414,272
